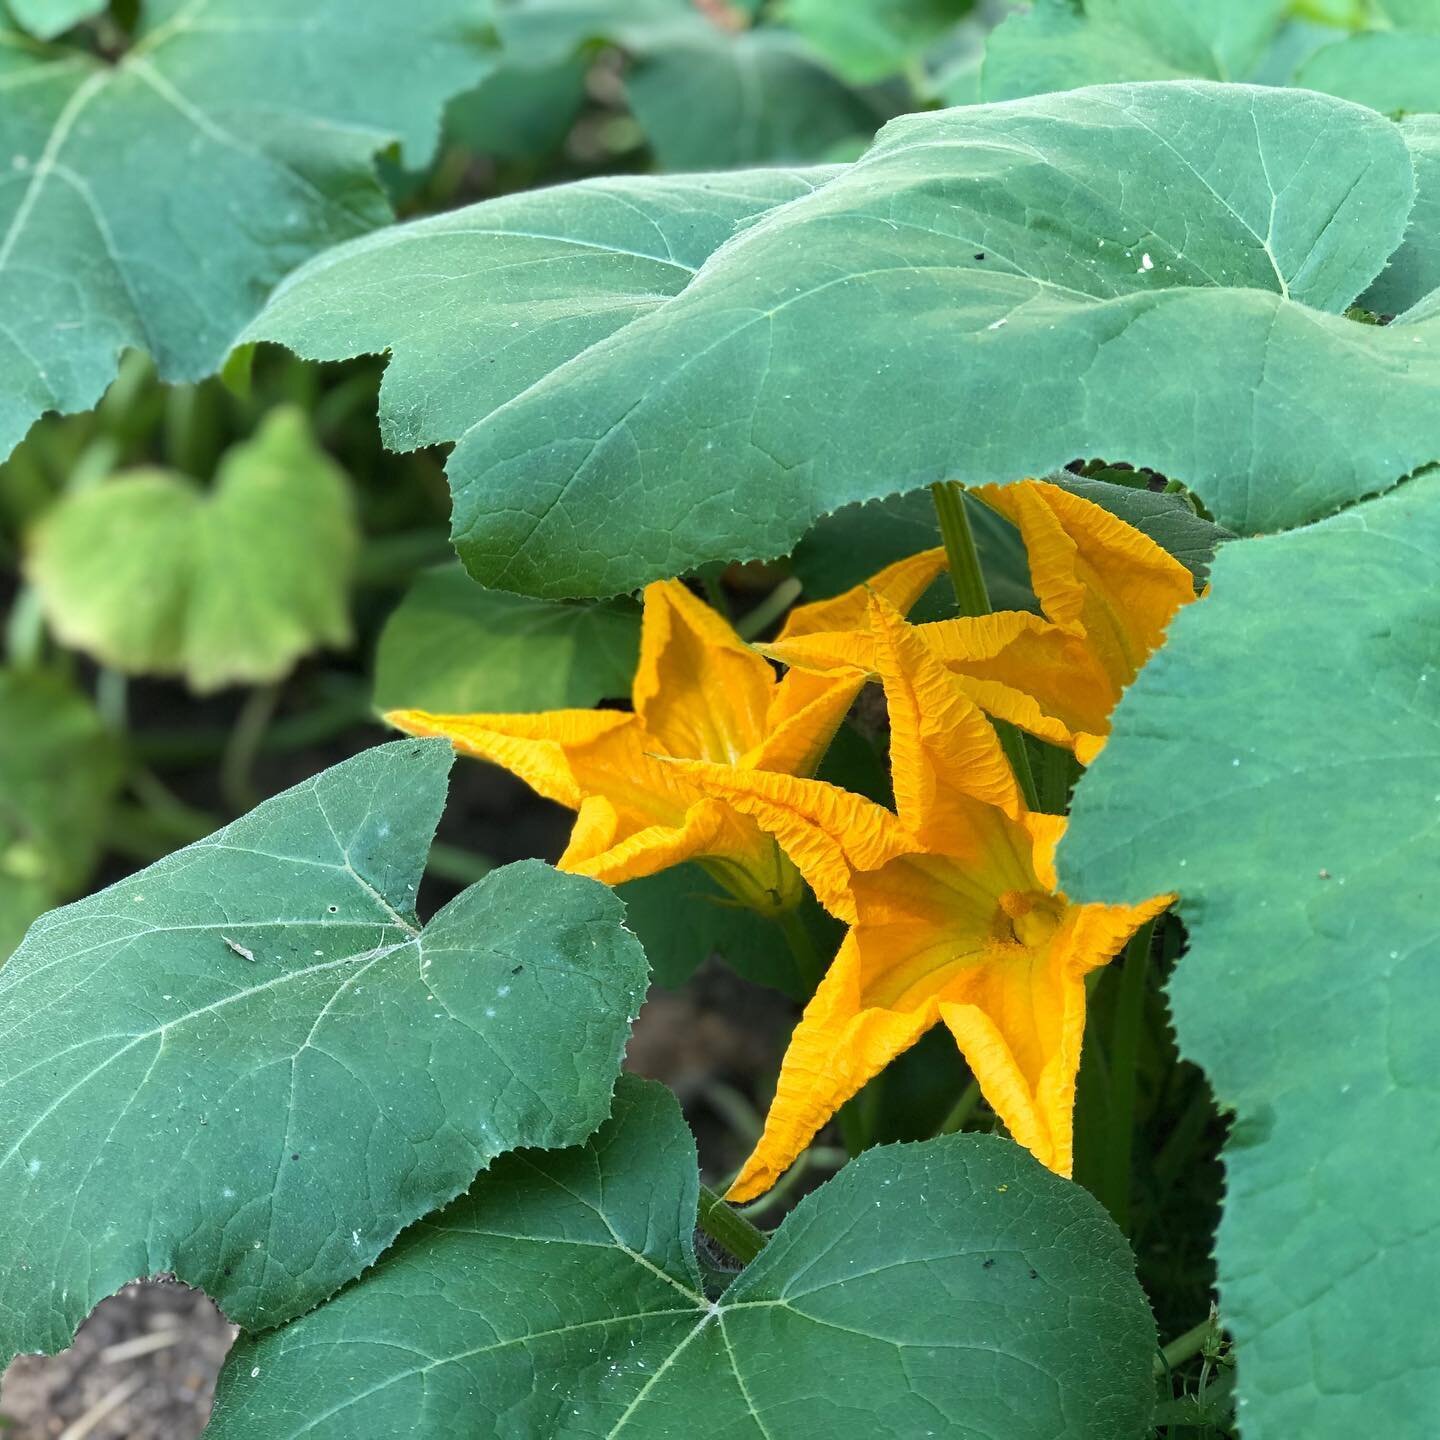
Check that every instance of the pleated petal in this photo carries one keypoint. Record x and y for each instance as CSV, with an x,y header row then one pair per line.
x,y
537,748
902,584
699,690
837,1047
827,832
951,775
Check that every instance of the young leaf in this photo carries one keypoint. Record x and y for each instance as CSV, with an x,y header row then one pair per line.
x,y
58,770
714,101
152,575
1394,71
46,19
951,1288
152,203
452,646
866,40
994,290
1059,45
1276,764
251,1067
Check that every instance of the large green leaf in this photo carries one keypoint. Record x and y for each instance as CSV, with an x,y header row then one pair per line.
x,y
1152,271
452,645
152,203
1389,70
716,101
249,1065
1059,45
954,1288
1278,764
151,574
48,18
478,306
58,770
866,40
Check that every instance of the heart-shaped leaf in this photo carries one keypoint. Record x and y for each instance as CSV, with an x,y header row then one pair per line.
x,y
1155,271
952,1288
150,574
1278,764
251,1067
153,202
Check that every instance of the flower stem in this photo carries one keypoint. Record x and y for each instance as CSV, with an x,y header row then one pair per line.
x,y
972,598
962,1110
1124,1055
808,964
1186,1346
728,1228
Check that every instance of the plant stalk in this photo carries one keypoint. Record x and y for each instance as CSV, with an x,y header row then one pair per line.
x,y
728,1228
963,1109
1124,1058
972,598
808,964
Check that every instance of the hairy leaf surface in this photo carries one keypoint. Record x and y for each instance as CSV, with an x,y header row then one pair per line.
x,y
954,1288
251,1067
1156,271
476,307
153,203
1276,764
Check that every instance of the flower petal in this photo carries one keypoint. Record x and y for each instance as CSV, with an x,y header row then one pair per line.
x,y
837,1046
953,782
828,832
699,690
537,748
902,584
1096,577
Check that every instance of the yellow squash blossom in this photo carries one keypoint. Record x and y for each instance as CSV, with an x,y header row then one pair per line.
x,y
954,912
699,693
1107,591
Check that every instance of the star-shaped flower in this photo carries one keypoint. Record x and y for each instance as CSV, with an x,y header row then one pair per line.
x,y
699,693
1107,592
955,917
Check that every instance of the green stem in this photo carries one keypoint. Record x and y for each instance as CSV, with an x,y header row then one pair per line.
x,y
1185,1347
25,629
963,1109
728,1228
973,598
1124,1057
111,694
244,745
349,707
769,610
709,577
808,964
1055,776
459,866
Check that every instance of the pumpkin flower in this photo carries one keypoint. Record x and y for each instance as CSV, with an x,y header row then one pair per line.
x,y
1107,593
699,693
955,917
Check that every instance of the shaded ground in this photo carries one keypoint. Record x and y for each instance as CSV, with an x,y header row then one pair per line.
x,y
142,1367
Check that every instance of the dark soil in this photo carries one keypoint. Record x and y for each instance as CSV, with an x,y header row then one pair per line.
x,y
143,1367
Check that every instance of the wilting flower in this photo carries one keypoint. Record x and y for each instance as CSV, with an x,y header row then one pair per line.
x,y
1107,591
699,693
954,911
